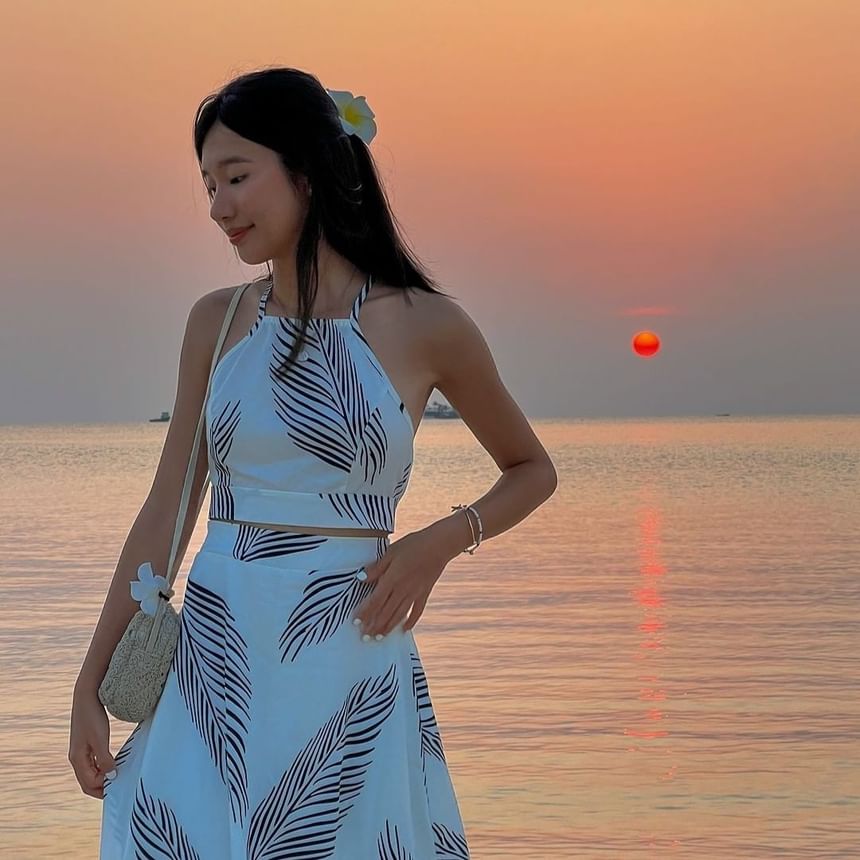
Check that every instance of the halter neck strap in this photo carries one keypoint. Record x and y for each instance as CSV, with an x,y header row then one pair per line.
x,y
359,299
261,305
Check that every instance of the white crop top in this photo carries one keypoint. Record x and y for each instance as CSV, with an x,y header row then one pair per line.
x,y
329,443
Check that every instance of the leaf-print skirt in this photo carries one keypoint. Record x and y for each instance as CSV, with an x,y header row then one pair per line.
x,y
280,732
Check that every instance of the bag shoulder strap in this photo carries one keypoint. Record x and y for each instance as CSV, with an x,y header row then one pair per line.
x,y
189,472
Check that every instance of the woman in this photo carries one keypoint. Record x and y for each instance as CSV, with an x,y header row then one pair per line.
x,y
296,719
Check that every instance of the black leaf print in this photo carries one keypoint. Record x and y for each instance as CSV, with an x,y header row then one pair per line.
x,y
388,845
449,844
373,448
122,754
212,673
223,428
321,401
301,815
156,832
255,542
431,742
373,512
327,602
400,488
125,750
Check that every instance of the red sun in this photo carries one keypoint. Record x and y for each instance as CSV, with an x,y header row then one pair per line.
x,y
646,344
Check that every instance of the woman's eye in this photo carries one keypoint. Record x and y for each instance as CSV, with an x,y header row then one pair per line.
x,y
234,179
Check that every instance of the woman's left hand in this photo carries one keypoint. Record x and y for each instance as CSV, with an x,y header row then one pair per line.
x,y
404,577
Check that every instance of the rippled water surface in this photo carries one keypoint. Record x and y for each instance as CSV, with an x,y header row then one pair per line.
x,y
662,659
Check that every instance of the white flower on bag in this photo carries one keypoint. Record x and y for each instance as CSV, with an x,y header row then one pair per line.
x,y
356,117
145,589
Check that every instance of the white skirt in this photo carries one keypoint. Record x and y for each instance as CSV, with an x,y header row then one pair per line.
x,y
280,732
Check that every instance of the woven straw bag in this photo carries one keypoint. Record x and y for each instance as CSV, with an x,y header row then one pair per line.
x,y
139,665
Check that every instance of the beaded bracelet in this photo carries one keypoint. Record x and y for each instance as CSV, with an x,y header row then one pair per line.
x,y
476,542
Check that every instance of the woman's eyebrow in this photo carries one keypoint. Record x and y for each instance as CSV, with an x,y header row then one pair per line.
x,y
231,159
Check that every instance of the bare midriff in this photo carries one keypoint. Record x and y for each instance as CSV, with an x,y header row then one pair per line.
x,y
304,530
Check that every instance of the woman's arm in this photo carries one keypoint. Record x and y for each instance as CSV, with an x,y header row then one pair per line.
x,y
467,375
150,537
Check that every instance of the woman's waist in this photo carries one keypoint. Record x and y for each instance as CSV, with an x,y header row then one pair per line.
x,y
290,550
345,511
306,530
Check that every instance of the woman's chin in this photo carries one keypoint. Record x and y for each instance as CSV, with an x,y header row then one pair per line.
x,y
250,255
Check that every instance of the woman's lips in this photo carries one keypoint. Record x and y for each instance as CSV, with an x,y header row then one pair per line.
x,y
239,236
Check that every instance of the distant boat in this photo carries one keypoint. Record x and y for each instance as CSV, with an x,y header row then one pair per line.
x,y
165,416
440,410
722,414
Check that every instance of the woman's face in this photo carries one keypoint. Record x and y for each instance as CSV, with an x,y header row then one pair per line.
x,y
254,191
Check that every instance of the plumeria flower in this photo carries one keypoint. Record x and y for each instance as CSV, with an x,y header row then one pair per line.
x,y
146,588
356,117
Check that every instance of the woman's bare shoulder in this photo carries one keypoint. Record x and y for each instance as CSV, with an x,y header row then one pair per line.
x,y
439,320
413,310
215,302
452,341
436,329
207,313
425,311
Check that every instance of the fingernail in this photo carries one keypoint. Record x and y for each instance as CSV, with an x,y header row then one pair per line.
x,y
111,774
380,636
366,637
362,574
356,621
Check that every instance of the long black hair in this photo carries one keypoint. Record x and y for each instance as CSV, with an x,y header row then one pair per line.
x,y
290,112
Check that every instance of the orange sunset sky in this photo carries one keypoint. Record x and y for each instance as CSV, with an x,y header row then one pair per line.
x,y
573,171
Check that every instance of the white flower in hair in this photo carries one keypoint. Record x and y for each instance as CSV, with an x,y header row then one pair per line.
x,y
356,117
145,589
